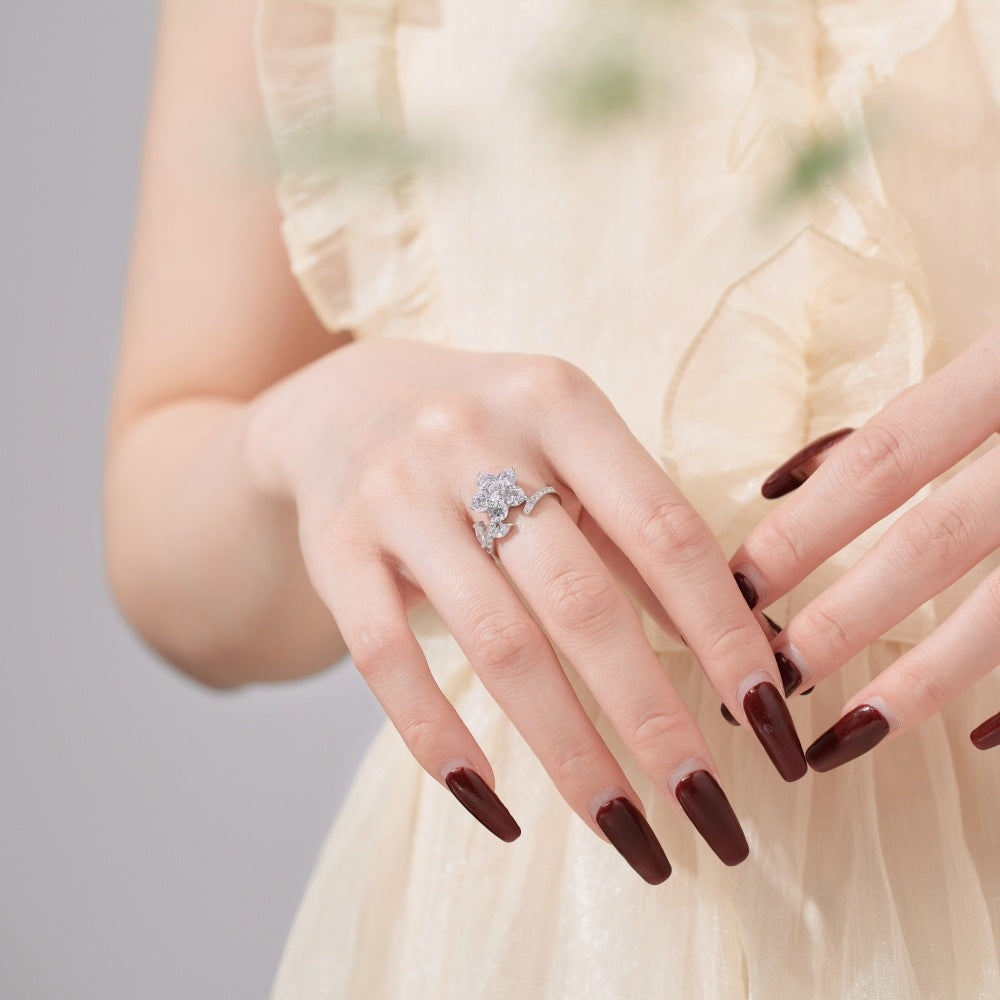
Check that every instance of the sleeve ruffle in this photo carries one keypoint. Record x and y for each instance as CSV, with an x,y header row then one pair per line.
x,y
356,238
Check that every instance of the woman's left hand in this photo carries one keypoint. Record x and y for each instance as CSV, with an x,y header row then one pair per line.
x,y
858,479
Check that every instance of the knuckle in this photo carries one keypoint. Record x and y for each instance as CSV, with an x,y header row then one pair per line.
x,y
421,736
929,689
653,727
376,652
581,599
440,420
573,756
786,543
825,626
672,531
540,379
726,640
878,461
502,644
936,535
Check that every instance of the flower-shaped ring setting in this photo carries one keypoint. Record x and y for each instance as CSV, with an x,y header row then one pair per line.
x,y
495,495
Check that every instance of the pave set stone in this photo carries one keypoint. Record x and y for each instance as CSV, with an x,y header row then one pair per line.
x,y
495,495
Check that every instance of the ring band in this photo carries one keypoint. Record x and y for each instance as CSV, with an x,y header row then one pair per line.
x,y
495,495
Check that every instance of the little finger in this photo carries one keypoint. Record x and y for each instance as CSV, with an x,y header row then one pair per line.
x,y
369,611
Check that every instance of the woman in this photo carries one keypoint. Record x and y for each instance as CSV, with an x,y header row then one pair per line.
x,y
554,311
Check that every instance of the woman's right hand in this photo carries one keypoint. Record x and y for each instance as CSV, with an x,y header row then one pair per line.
x,y
379,444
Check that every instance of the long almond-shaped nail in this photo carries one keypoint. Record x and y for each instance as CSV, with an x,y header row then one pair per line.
x,y
791,679
791,676
987,734
470,789
747,589
633,838
793,473
850,736
709,810
771,721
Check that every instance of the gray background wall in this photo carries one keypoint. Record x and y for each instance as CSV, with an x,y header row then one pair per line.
x,y
154,836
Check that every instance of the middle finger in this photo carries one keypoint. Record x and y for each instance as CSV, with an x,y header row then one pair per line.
x,y
592,622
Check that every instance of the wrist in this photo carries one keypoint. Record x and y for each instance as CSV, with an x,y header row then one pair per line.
x,y
263,456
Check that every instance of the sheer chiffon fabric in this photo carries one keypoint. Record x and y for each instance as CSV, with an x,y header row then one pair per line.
x,y
728,335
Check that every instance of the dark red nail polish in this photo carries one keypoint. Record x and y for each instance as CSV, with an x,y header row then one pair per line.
x,y
633,838
770,719
987,734
775,627
849,737
807,691
791,676
801,465
470,789
709,810
747,589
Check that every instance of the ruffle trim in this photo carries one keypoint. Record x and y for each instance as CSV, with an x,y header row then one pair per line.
x,y
357,238
833,325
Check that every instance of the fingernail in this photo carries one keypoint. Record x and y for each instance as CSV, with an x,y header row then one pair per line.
x,y
987,734
771,721
793,473
850,736
633,838
706,805
791,679
747,589
791,676
807,691
793,667
775,627
470,789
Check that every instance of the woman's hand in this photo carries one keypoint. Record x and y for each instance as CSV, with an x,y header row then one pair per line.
x,y
379,445
858,479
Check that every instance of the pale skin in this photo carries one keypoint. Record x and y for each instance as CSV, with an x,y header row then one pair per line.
x,y
867,475
277,494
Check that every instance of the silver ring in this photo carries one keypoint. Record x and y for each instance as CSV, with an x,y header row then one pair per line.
x,y
495,495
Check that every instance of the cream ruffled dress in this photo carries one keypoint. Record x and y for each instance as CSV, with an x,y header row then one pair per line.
x,y
728,336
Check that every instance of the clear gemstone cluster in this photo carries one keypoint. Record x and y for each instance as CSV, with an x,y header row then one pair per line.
x,y
495,495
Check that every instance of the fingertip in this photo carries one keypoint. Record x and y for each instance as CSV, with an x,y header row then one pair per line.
x,y
986,735
479,799
792,474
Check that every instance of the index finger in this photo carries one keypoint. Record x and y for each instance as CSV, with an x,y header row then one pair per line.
x,y
922,433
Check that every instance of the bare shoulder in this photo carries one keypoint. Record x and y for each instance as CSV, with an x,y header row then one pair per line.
x,y
211,307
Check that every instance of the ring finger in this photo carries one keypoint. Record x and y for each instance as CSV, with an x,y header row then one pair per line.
x,y
591,621
516,664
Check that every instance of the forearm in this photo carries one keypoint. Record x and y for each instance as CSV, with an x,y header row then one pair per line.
x,y
206,567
